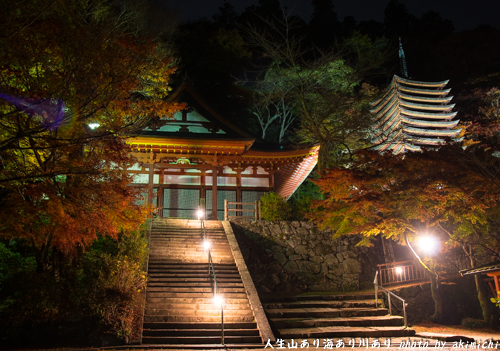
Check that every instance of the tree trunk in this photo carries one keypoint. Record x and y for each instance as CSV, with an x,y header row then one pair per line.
x,y
484,302
438,300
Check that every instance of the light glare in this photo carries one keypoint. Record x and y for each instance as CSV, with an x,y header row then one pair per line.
x,y
218,300
428,244
399,270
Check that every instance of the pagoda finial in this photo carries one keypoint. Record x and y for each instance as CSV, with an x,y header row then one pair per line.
x,y
402,60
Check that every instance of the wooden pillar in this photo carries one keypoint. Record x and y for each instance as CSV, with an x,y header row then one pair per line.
x,y
215,170
150,183
496,277
238,184
203,194
161,190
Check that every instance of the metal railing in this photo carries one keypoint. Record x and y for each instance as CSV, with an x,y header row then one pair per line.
x,y
389,294
256,210
211,269
400,272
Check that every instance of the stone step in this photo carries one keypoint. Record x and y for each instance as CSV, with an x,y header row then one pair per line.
x,y
195,275
195,284
184,340
197,319
194,301
325,312
321,304
345,331
179,309
214,312
200,332
192,289
216,325
202,269
384,321
267,298
196,306
202,295
187,280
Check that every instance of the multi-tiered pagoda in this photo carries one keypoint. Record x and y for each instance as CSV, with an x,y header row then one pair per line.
x,y
412,114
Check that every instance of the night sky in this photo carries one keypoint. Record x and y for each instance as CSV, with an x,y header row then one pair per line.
x,y
465,14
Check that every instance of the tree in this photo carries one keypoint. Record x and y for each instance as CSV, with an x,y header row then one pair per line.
x,y
399,196
66,66
326,93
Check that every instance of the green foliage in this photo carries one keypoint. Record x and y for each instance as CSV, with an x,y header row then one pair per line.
x,y
496,301
474,323
302,198
110,279
275,208
105,284
13,266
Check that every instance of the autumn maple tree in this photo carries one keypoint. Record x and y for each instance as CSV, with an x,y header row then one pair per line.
x,y
76,80
400,196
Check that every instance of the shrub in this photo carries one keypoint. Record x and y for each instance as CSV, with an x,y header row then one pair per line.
x,y
275,208
111,279
473,323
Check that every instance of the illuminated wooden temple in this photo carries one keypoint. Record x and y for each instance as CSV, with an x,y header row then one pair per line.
x,y
201,158
412,114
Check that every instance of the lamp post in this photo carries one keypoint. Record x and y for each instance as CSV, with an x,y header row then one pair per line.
x,y
218,300
430,246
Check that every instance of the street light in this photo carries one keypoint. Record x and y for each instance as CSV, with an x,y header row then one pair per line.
x,y
218,300
399,270
200,214
429,244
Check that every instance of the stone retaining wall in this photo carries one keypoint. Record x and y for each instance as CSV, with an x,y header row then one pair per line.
x,y
297,257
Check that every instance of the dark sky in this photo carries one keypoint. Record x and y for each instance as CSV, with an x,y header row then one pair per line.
x,y
465,14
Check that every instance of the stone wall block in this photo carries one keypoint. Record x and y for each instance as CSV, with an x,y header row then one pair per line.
x,y
309,267
280,258
352,266
340,257
291,267
330,259
308,225
294,257
301,249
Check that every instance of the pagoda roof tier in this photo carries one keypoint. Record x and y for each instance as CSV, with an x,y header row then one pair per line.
x,y
429,103
429,124
413,113
427,115
431,132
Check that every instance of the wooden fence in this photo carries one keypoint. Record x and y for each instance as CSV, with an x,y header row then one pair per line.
x,y
239,211
400,273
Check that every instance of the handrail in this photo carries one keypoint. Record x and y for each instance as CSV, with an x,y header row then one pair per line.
x,y
389,293
211,269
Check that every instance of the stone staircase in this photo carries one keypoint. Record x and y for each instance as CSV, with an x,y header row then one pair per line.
x,y
321,316
180,311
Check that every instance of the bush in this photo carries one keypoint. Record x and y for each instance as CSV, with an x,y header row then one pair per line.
x,y
275,208
111,279
100,290
473,323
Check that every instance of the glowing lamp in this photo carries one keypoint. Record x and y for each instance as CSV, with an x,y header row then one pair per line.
x,y
206,245
200,214
93,125
399,270
429,244
218,300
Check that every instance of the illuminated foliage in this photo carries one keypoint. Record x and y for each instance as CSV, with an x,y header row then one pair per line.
x,y
66,64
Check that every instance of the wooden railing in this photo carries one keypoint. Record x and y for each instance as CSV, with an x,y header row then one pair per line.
x,y
400,272
256,210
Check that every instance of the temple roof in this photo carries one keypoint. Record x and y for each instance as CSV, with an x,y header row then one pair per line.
x,y
206,138
411,114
